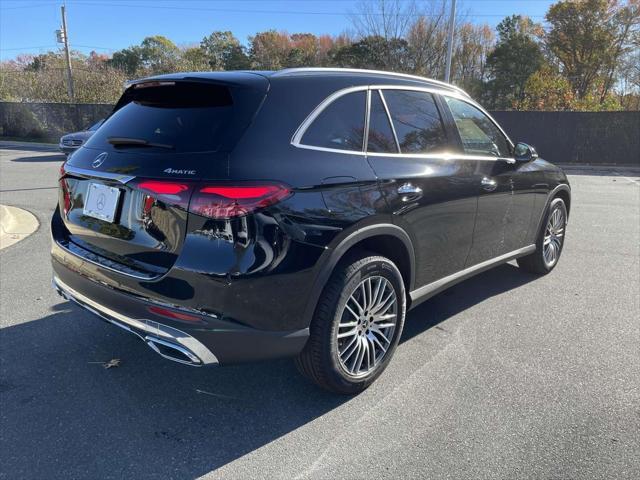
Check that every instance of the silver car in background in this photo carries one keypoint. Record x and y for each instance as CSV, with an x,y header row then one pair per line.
x,y
70,142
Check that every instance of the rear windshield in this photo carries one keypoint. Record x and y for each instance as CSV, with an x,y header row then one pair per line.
x,y
168,117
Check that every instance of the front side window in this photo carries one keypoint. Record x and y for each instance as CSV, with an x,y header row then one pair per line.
x,y
416,121
340,125
479,135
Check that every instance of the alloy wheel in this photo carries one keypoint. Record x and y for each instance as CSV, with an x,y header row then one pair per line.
x,y
367,325
553,236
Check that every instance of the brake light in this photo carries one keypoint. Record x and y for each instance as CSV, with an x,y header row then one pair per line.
x,y
228,201
163,188
171,192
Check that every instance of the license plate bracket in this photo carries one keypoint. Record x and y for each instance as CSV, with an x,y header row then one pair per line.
x,y
101,202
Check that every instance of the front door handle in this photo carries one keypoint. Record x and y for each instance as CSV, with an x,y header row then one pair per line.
x,y
409,192
489,184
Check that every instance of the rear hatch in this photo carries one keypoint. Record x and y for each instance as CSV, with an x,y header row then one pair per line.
x,y
124,195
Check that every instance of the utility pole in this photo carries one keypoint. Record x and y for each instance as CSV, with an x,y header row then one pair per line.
x,y
452,27
65,39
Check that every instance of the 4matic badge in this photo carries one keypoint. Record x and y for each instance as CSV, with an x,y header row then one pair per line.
x,y
174,171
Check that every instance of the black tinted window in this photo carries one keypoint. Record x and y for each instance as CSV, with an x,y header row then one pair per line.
x,y
478,133
190,117
416,120
340,125
380,134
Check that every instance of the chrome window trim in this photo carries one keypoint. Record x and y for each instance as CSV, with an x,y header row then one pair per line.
x,y
302,128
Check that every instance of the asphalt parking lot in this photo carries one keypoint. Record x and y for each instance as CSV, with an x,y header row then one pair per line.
x,y
506,375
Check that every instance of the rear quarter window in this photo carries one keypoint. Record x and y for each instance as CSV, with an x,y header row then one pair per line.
x,y
340,125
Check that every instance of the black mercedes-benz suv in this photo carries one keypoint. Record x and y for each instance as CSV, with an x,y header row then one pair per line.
x,y
238,216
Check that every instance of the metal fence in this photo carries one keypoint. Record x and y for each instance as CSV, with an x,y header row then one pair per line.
x,y
601,138
47,121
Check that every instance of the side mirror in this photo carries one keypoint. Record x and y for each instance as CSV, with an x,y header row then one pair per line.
x,y
524,152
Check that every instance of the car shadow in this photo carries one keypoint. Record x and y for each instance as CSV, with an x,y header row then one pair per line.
x,y
462,296
40,158
63,415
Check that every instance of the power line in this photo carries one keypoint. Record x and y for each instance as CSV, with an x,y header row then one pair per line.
x,y
278,12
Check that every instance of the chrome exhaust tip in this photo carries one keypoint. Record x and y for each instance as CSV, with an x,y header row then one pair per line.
x,y
174,345
173,352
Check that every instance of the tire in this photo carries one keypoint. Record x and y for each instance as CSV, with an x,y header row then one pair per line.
x,y
552,231
327,359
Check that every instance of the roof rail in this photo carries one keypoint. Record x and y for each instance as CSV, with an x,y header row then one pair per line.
x,y
288,71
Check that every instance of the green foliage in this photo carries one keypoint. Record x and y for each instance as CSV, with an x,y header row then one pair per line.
x,y
587,53
547,89
224,52
515,58
588,39
373,52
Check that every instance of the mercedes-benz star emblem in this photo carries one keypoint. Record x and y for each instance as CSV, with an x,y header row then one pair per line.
x,y
101,201
99,160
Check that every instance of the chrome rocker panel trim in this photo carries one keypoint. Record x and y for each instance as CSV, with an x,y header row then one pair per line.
x,y
157,336
425,292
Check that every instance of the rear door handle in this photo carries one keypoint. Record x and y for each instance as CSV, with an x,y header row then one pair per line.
x,y
409,192
489,184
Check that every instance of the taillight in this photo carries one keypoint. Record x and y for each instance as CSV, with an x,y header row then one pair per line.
x,y
172,193
164,188
228,201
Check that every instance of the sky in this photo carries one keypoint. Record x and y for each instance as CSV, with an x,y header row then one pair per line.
x,y
28,26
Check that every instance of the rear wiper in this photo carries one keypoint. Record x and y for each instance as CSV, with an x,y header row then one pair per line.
x,y
136,142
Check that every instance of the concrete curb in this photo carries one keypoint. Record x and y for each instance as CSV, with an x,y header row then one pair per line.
x,y
15,224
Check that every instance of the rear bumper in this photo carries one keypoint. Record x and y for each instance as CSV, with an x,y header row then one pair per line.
x,y
202,341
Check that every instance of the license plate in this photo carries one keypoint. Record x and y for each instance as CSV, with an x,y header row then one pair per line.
x,y
101,202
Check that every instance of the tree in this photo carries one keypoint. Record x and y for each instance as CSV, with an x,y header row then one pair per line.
x,y
159,54
129,60
224,51
547,89
372,53
515,58
269,50
470,55
426,40
304,50
389,20
193,59
589,38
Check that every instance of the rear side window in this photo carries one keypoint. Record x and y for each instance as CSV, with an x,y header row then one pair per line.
x,y
479,135
181,116
340,125
416,121
380,139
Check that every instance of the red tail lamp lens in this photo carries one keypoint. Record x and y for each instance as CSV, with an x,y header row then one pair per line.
x,y
163,188
225,201
169,192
